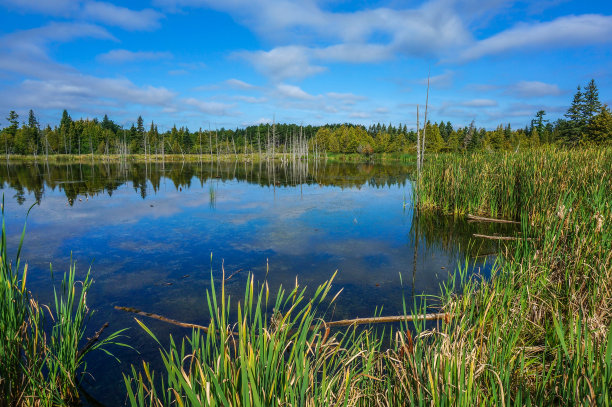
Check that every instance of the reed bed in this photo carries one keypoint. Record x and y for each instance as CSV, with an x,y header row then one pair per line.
x,y
41,361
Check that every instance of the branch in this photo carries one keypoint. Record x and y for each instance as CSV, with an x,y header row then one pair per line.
x,y
91,341
500,237
482,219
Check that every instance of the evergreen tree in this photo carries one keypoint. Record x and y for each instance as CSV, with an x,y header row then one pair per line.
x,y
599,129
572,131
591,105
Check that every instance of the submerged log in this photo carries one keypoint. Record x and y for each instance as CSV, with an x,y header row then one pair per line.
x,y
385,320
161,318
344,322
482,219
500,237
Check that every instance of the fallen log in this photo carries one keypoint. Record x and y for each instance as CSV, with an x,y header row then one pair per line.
x,y
482,219
385,320
344,322
161,318
500,237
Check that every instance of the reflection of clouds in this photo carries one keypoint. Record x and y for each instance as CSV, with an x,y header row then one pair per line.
x,y
307,231
53,222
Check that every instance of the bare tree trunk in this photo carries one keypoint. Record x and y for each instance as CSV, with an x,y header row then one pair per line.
x,y
425,124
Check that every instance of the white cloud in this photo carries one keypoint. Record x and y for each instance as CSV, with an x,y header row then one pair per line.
x,y
45,83
238,84
282,62
479,103
251,99
51,7
562,32
354,53
366,35
212,108
83,91
124,55
443,80
147,19
99,11
292,92
346,98
533,89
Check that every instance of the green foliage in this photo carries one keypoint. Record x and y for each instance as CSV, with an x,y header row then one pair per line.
x,y
283,357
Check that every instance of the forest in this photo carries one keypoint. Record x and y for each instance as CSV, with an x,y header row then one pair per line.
x,y
587,121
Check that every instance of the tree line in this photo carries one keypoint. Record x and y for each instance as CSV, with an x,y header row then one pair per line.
x,y
587,121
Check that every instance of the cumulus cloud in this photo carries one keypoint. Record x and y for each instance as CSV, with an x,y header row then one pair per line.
x,y
562,32
50,7
443,80
346,98
79,91
238,84
282,62
533,89
212,108
292,92
479,103
98,11
250,99
45,83
124,55
354,53
123,17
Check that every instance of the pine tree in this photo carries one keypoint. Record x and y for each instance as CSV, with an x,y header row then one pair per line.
x,y
591,104
572,131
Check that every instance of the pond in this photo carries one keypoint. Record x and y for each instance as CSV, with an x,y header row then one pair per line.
x,y
154,233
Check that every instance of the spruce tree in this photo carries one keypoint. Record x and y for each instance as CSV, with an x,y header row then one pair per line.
x,y
591,105
575,119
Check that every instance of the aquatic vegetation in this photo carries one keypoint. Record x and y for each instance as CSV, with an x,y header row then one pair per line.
x,y
285,357
39,346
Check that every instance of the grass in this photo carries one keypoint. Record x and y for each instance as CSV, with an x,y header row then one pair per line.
x,y
285,357
39,346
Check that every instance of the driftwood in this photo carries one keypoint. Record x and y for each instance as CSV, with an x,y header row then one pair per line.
x,y
343,322
384,320
91,341
482,219
500,237
161,318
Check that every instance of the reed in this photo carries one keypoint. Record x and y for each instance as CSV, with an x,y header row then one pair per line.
x,y
39,346
283,357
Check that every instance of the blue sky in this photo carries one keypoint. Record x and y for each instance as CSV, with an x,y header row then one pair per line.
x,y
233,63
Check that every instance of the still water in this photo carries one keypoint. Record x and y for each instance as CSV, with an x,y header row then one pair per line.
x,y
153,234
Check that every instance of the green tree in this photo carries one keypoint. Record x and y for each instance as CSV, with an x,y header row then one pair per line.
x,y
64,129
572,129
591,105
9,132
599,129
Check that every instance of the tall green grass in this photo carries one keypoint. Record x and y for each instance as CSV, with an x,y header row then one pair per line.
x,y
282,357
39,346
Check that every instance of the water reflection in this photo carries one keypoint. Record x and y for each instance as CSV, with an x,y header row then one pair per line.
x,y
149,231
85,179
